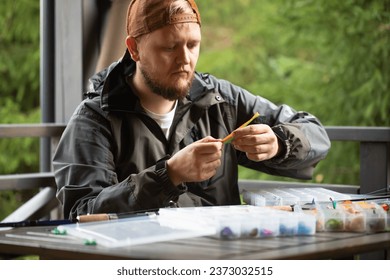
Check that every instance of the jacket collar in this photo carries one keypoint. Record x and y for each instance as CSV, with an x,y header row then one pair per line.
x,y
117,95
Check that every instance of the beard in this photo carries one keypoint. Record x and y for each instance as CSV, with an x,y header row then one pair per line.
x,y
170,93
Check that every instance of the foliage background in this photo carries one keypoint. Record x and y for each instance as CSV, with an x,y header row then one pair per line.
x,y
19,91
328,57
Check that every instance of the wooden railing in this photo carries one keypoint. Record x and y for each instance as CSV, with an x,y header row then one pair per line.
x,y
374,166
44,201
374,161
374,154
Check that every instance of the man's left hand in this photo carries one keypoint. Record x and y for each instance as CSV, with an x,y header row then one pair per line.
x,y
258,141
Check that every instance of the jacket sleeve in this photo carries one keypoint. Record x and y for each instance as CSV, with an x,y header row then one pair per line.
x,y
302,135
305,143
87,182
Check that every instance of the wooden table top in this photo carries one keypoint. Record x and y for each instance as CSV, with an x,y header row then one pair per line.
x,y
323,245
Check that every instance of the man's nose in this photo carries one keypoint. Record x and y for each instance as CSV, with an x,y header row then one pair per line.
x,y
183,55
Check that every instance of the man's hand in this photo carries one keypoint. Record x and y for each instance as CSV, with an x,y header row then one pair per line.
x,y
196,162
258,141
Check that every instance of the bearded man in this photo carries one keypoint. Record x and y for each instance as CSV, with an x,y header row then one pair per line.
x,y
150,132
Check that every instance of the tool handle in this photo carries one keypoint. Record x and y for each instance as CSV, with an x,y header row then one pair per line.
x,y
93,218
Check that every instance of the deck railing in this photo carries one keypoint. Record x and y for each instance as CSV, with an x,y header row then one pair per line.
x,y
44,201
374,166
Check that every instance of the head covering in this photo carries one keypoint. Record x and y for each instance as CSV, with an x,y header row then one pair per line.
x,y
145,16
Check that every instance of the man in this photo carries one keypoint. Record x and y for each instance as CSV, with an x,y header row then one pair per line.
x,y
149,133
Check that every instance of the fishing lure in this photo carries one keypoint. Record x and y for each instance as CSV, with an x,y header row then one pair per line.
x,y
230,137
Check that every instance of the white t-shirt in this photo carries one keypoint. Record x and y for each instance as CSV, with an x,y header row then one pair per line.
x,y
163,120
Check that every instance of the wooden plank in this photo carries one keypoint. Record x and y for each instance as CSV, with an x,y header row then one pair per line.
x,y
374,167
69,58
339,248
358,133
31,130
37,207
322,245
27,181
256,184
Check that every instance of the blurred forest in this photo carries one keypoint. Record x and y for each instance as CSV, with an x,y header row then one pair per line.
x,y
328,57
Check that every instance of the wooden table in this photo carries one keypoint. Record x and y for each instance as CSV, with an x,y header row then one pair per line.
x,y
324,245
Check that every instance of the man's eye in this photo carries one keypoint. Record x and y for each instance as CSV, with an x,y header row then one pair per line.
x,y
192,45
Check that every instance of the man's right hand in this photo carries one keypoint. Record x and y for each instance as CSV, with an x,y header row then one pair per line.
x,y
196,162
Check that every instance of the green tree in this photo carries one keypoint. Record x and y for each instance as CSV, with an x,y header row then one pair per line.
x,y
327,57
19,54
19,89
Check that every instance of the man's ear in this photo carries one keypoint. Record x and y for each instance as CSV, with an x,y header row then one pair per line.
x,y
132,46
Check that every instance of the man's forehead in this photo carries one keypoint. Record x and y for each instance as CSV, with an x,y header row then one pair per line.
x,y
176,32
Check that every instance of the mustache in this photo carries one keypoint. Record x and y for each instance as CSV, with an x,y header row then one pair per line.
x,y
188,72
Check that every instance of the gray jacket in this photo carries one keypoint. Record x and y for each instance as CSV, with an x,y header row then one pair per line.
x,y
111,157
